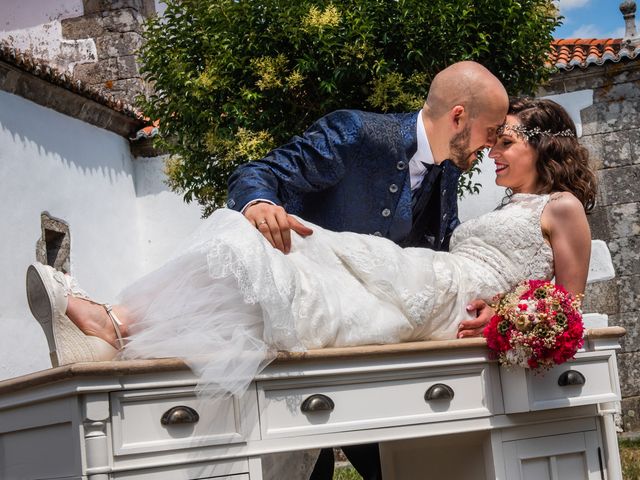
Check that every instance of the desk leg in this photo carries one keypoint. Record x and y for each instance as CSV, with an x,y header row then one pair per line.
x,y
255,468
96,440
611,449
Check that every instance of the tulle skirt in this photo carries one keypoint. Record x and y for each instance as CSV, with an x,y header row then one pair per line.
x,y
228,301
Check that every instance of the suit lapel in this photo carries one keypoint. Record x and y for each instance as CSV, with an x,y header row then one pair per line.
x,y
408,144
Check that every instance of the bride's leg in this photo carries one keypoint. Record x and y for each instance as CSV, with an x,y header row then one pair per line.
x,y
94,320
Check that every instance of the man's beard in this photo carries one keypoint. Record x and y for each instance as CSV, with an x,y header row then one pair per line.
x,y
459,149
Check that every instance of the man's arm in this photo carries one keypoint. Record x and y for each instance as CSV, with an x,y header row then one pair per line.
x,y
309,163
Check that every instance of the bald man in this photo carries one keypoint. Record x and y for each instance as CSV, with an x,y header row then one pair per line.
x,y
393,175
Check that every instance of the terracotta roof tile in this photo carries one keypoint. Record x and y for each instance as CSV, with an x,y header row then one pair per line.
x,y
568,53
149,131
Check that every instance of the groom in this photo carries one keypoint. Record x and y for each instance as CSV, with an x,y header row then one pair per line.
x,y
393,175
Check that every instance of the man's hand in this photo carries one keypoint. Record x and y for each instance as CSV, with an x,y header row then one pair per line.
x,y
275,224
475,326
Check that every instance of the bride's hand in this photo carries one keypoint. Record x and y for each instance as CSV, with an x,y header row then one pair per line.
x,y
475,326
275,224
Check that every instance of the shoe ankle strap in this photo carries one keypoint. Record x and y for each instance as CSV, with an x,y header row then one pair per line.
x,y
116,324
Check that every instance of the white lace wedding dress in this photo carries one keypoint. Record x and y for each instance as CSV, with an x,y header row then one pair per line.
x,y
229,300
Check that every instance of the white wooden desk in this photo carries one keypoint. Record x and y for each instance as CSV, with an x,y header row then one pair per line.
x,y
438,409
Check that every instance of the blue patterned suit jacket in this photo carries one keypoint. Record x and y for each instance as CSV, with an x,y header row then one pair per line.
x,y
349,172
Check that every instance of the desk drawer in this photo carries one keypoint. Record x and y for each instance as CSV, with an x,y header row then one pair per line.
x,y
138,426
372,401
588,379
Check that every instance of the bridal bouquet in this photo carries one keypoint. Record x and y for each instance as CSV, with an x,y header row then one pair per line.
x,y
537,325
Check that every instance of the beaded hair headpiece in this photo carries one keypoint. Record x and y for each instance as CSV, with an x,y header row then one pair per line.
x,y
528,133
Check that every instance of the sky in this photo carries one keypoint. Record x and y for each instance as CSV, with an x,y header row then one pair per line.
x,y
590,19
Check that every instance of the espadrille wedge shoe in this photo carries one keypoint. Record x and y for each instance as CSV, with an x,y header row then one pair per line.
x,y
47,293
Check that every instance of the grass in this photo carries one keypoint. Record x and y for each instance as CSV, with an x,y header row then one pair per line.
x,y
630,459
629,456
346,473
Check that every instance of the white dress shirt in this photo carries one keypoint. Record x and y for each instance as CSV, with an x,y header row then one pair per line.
x,y
423,155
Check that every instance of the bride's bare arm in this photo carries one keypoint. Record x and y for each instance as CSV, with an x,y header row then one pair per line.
x,y
564,223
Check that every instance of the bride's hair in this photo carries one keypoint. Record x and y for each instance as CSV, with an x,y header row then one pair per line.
x,y
563,164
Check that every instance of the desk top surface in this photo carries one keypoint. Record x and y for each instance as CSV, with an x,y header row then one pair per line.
x,y
159,365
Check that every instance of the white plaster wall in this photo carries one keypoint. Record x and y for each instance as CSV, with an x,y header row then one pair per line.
x,y
490,194
18,14
164,219
78,173
85,176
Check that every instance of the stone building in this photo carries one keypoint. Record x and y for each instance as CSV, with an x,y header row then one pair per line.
x,y
93,41
605,74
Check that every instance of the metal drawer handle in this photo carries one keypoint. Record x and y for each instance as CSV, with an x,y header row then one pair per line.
x,y
179,415
571,377
317,403
439,391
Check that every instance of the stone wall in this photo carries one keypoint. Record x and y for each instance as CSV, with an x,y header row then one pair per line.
x,y
611,132
35,29
95,41
116,28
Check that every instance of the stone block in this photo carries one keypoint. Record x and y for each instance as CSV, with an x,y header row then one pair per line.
x,y
601,297
125,20
613,149
118,44
611,116
54,246
128,89
622,72
593,144
630,414
149,8
619,185
600,196
73,52
96,6
599,223
629,321
625,255
572,81
624,219
88,26
594,77
634,141
98,72
629,370
9,78
629,293
616,92
128,67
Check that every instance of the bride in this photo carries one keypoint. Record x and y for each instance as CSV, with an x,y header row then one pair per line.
x,y
229,300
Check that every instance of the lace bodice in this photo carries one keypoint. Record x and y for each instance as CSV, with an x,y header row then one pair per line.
x,y
508,241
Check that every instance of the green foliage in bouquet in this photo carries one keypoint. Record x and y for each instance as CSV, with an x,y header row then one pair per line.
x,y
235,78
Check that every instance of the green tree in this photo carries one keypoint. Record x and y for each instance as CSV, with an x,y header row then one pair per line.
x,y
235,78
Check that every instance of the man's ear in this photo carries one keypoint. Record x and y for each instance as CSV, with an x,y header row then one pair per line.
x,y
458,117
